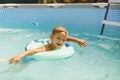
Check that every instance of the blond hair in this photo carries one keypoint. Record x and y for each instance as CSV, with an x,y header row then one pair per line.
x,y
59,29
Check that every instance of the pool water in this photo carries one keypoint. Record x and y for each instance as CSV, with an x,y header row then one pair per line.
x,y
100,60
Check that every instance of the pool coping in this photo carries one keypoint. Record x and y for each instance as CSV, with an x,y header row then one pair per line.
x,y
58,5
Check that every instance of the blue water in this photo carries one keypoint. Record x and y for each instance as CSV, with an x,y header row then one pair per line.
x,y
100,60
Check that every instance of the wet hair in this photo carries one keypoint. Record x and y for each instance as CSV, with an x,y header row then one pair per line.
x,y
59,29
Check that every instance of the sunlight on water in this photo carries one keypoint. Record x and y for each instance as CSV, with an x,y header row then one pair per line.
x,y
9,30
99,61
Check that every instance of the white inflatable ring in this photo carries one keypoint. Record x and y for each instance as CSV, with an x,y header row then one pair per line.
x,y
65,52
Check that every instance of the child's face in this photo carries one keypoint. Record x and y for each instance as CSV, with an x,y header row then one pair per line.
x,y
58,39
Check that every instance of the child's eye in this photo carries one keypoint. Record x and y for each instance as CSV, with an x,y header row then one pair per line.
x,y
58,37
63,40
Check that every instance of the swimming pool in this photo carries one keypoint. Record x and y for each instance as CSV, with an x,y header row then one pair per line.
x,y
99,61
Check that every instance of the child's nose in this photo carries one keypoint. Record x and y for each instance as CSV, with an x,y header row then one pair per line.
x,y
60,41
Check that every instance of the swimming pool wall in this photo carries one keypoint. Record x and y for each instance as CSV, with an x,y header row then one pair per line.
x,y
89,14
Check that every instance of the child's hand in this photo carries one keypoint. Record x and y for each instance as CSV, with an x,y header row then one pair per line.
x,y
15,59
82,43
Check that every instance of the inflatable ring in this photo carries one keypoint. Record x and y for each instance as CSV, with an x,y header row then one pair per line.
x,y
66,51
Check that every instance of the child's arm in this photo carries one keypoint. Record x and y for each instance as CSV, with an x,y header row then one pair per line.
x,y
79,41
17,58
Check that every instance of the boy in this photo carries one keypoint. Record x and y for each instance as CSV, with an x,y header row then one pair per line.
x,y
58,38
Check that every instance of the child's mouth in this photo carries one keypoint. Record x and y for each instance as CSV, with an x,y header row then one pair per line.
x,y
58,44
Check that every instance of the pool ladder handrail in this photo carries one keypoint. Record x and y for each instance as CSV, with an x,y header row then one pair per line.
x,y
105,21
